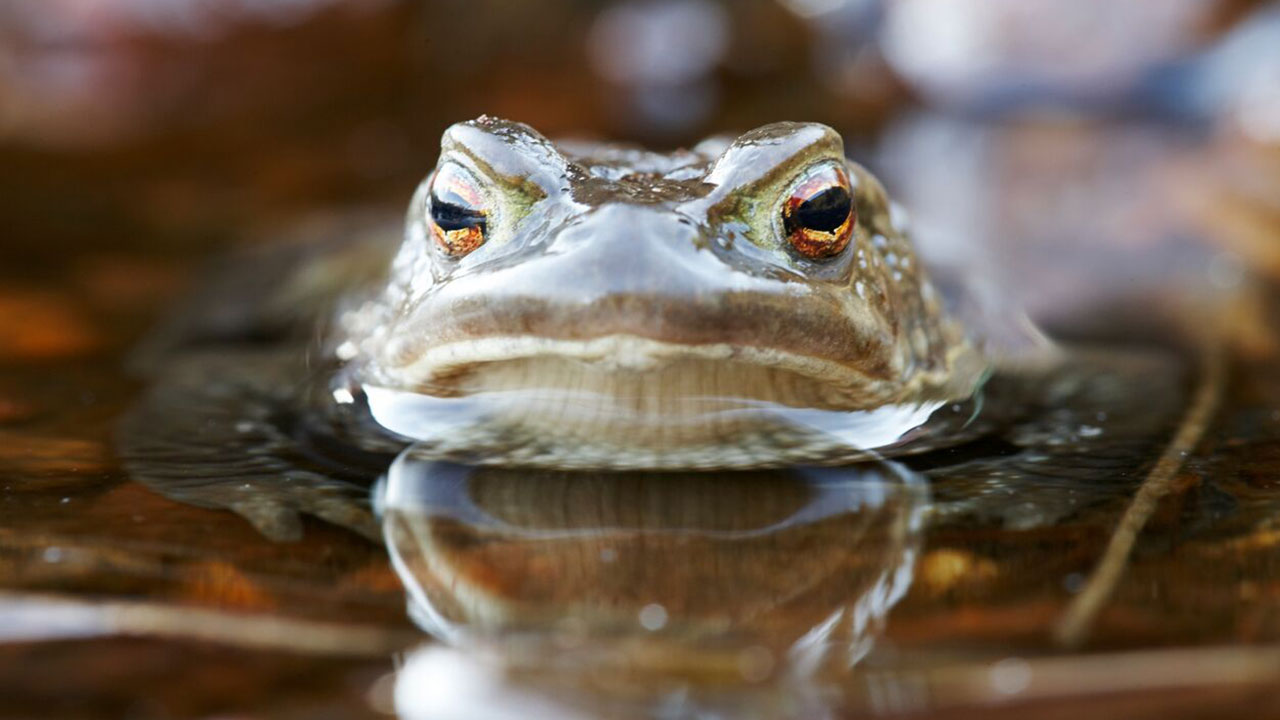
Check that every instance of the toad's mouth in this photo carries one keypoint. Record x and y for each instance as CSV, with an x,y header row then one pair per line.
x,y
623,401
647,376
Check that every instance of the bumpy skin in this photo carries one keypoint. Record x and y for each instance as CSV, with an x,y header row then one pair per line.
x,y
633,264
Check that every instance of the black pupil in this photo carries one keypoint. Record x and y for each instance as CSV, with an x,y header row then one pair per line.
x,y
825,211
451,212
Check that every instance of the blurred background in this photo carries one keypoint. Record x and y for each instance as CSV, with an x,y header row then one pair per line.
x,y
1029,133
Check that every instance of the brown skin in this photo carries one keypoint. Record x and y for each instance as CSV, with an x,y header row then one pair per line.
x,y
635,267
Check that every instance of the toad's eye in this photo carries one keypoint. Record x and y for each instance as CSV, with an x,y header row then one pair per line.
x,y
458,212
818,217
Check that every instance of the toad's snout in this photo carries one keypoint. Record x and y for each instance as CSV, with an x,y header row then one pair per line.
x,y
633,249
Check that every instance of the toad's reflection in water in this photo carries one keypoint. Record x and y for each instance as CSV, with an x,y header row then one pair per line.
x,y
676,581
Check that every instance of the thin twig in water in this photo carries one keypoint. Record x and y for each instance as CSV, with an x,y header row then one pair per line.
x,y
1073,629
37,617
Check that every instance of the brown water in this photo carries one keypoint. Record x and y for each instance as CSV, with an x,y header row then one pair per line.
x,y
94,566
